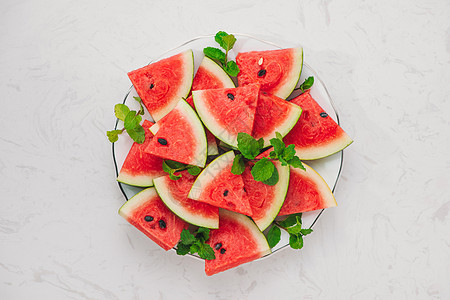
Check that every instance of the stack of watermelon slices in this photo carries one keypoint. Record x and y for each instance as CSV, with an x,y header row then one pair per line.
x,y
191,113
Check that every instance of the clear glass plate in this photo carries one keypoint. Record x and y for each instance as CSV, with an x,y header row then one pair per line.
x,y
329,168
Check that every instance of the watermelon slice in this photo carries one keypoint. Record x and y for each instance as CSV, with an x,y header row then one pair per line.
x,y
237,241
226,112
316,134
307,191
139,167
264,199
274,114
216,185
163,83
174,194
148,213
277,71
179,136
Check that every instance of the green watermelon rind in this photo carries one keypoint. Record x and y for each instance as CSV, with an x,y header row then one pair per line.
x,y
136,180
136,201
321,151
192,218
287,89
212,67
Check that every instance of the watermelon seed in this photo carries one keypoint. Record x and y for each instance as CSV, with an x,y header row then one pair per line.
x,y
218,246
323,114
225,193
260,61
152,86
261,73
162,141
222,251
230,96
148,218
162,224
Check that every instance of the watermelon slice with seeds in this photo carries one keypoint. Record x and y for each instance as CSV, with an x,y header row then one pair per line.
x,y
179,136
174,193
226,112
163,83
274,114
216,185
148,213
237,241
307,191
316,134
139,167
277,71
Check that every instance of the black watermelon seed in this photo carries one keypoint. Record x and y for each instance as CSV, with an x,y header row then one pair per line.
x,y
218,246
323,114
162,141
222,251
225,193
148,218
230,96
261,73
152,86
162,224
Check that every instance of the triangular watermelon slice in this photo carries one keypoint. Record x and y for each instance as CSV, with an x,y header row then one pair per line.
x,y
226,112
163,83
307,191
148,213
179,136
216,185
277,71
237,241
316,134
174,193
274,114
139,167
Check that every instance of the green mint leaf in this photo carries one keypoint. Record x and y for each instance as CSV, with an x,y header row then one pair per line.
x,y
113,135
307,84
174,164
183,249
289,152
296,241
215,54
291,220
231,68
165,167
248,146
273,236
186,237
279,136
273,154
132,120
278,146
194,170
295,162
202,234
172,175
137,134
121,111
263,169
206,252
306,231
238,166
219,38
273,179
228,42
295,230
298,220
141,110
195,247
261,143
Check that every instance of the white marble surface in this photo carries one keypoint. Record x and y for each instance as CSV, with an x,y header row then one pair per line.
x,y
63,67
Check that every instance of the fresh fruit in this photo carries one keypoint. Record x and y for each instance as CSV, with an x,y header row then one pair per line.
x,y
226,112
277,71
237,241
316,134
274,114
139,167
163,83
174,193
216,185
179,136
307,191
148,213
265,200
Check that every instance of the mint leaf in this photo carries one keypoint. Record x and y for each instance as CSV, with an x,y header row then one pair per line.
x,y
194,170
165,167
238,166
278,146
295,162
121,111
202,234
186,237
291,220
307,84
279,136
248,146
183,249
273,154
113,135
289,152
296,241
172,175
195,247
306,231
141,111
273,179
263,169
137,134
219,38
231,68
132,120
295,230
215,54
206,252
273,236
228,42
174,164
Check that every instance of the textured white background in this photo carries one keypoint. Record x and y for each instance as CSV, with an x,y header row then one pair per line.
x,y
63,67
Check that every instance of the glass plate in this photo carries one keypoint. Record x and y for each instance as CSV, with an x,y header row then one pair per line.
x,y
329,168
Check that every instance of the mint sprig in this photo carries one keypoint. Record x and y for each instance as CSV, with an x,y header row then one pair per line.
x,y
226,42
293,225
195,243
172,167
307,84
131,122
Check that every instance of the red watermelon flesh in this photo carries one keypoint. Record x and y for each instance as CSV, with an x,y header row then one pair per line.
x,y
316,134
307,191
277,71
274,114
163,83
139,167
237,241
174,194
148,213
